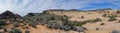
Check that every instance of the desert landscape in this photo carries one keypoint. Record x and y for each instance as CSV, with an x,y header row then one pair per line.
x,y
62,21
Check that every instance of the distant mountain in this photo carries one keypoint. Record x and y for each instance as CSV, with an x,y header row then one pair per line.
x,y
9,15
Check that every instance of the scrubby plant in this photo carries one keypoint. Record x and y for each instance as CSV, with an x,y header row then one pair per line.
x,y
16,31
52,18
119,21
118,12
5,29
33,24
112,18
82,17
96,20
97,28
27,31
102,24
64,18
80,23
2,23
16,24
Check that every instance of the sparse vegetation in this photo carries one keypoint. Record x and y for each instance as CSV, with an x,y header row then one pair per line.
x,y
118,12
82,17
33,24
102,24
61,22
96,20
80,23
27,31
2,23
97,28
15,31
52,18
112,18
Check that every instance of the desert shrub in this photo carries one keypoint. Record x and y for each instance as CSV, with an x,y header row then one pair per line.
x,y
112,18
119,21
87,21
11,31
96,20
2,23
33,24
102,24
15,31
64,19
16,24
80,23
27,31
5,29
82,17
24,27
52,18
115,31
97,28
66,28
118,12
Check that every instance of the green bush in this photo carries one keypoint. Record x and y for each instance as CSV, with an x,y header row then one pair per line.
x,y
52,18
15,31
27,31
2,23
102,24
80,23
16,24
118,12
33,24
112,18
96,20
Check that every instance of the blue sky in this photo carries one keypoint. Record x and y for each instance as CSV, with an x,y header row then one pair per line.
x,y
23,7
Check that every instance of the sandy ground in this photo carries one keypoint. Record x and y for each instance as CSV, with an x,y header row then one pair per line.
x,y
91,27
76,16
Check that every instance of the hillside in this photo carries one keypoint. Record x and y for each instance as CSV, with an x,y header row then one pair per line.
x,y
62,21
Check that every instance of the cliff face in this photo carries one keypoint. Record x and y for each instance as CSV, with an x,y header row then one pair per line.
x,y
9,15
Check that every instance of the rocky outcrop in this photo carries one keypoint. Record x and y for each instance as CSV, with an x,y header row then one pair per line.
x,y
9,15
